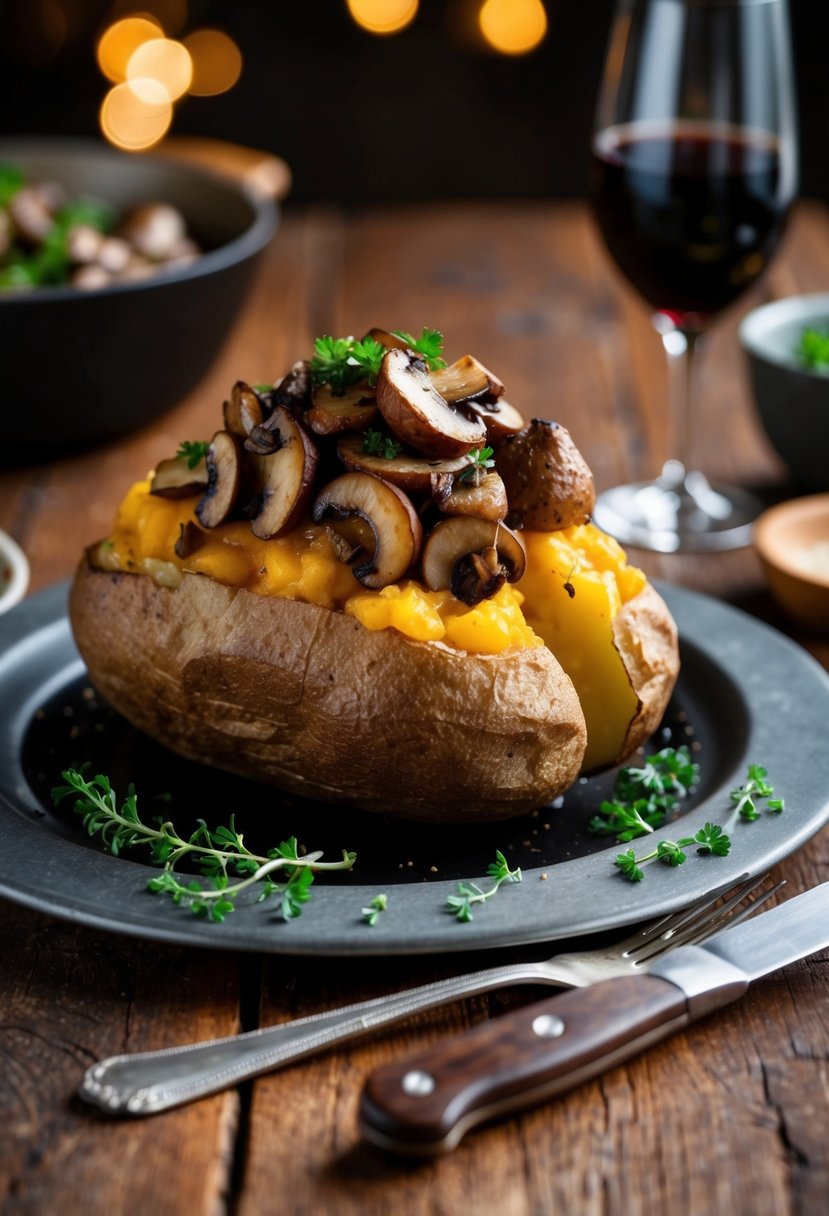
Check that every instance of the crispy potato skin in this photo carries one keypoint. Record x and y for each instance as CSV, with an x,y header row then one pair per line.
x,y
645,635
310,700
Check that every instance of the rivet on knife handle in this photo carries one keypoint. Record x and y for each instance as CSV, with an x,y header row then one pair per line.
x,y
425,1104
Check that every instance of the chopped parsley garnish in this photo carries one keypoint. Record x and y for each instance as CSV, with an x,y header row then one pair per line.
x,y
375,443
192,451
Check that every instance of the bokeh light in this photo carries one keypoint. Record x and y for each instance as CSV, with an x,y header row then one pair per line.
x,y
136,120
164,62
383,16
513,27
217,62
119,43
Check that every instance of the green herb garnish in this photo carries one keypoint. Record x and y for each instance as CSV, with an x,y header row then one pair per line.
x,y
710,839
755,787
11,180
429,345
470,893
375,907
217,854
340,362
375,443
480,459
813,348
192,451
643,796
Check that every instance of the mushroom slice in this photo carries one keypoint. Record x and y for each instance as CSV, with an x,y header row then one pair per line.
x,y
293,390
190,538
486,498
355,410
83,244
473,557
407,470
224,476
549,485
282,481
243,411
175,478
31,215
416,412
499,417
466,378
390,516
154,230
390,341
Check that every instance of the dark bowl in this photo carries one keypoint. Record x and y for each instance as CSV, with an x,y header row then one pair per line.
x,y
83,366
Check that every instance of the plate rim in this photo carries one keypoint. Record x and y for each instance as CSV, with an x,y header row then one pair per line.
x,y
524,913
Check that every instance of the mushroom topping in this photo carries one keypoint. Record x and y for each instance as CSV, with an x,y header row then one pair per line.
x,y
154,230
31,215
375,453
293,390
243,411
284,480
91,278
114,254
486,498
390,516
355,410
499,417
390,341
473,557
83,244
176,479
416,412
549,485
190,538
224,476
466,378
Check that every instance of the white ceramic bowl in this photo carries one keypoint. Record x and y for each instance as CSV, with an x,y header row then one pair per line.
x,y
14,573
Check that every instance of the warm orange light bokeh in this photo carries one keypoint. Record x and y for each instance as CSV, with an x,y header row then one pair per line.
x,y
164,61
513,27
383,16
119,43
135,121
217,62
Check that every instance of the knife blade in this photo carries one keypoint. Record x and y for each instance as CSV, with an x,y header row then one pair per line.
x,y
424,1105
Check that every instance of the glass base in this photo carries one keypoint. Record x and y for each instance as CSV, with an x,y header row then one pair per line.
x,y
680,512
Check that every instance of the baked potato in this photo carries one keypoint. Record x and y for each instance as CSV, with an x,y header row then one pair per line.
x,y
269,604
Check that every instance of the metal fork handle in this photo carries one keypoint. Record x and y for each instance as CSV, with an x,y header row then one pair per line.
x,y
147,1082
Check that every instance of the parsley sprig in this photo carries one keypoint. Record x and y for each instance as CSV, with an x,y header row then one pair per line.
x,y
469,893
340,362
375,907
218,853
710,840
429,345
813,348
192,451
375,443
480,459
643,796
754,787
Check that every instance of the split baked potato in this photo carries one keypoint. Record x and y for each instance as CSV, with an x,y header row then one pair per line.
x,y
378,586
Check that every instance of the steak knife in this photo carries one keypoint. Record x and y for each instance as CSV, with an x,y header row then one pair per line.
x,y
425,1104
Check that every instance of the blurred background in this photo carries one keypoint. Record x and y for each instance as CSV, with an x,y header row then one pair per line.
x,y
367,100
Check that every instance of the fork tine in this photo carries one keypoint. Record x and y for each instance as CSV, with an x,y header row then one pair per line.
x,y
705,926
675,920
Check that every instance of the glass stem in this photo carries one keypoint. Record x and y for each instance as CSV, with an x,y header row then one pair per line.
x,y
680,345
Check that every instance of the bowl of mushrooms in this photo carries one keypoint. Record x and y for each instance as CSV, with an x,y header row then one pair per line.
x,y
120,276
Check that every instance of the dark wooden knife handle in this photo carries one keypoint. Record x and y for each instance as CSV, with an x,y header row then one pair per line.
x,y
426,1103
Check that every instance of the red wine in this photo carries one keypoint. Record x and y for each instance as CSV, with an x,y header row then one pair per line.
x,y
691,214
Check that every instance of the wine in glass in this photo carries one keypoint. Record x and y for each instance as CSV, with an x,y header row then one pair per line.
x,y
695,168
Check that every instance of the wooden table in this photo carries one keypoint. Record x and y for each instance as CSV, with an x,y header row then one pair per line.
x,y
730,1117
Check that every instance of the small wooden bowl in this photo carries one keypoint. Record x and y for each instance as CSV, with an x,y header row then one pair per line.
x,y
14,573
792,541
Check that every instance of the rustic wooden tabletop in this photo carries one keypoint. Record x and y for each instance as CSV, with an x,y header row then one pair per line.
x,y
732,1116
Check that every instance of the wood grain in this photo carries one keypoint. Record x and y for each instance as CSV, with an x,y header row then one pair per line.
x,y
730,1116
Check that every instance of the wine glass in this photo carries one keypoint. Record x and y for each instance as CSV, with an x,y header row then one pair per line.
x,y
695,168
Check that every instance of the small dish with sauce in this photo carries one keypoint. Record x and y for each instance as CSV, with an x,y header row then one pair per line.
x,y
792,540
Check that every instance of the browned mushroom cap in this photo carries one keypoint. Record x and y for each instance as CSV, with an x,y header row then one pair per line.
x,y
407,470
549,485
486,498
390,341
355,410
175,479
91,278
473,557
243,411
224,477
390,516
293,390
83,244
499,417
114,254
283,481
417,413
190,538
154,230
466,378
31,215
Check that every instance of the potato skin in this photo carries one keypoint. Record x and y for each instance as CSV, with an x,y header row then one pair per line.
x,y
645,635
310,700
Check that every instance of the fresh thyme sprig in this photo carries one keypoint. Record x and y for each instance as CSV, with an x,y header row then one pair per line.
x,y
375,443
217,853
192,451
754,787
470,893
375,907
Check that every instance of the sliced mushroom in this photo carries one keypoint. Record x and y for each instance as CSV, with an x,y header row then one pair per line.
x,y
175,479
472,557
466,378
83,244
114,254
243,411
154,230
190,538
390,516
355,410
409,471
549,485
91,278
486,498
417,413
283,481
31,215
293,390
224,478
499,417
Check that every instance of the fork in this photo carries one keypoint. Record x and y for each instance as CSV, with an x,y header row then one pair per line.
x,y
144,1083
